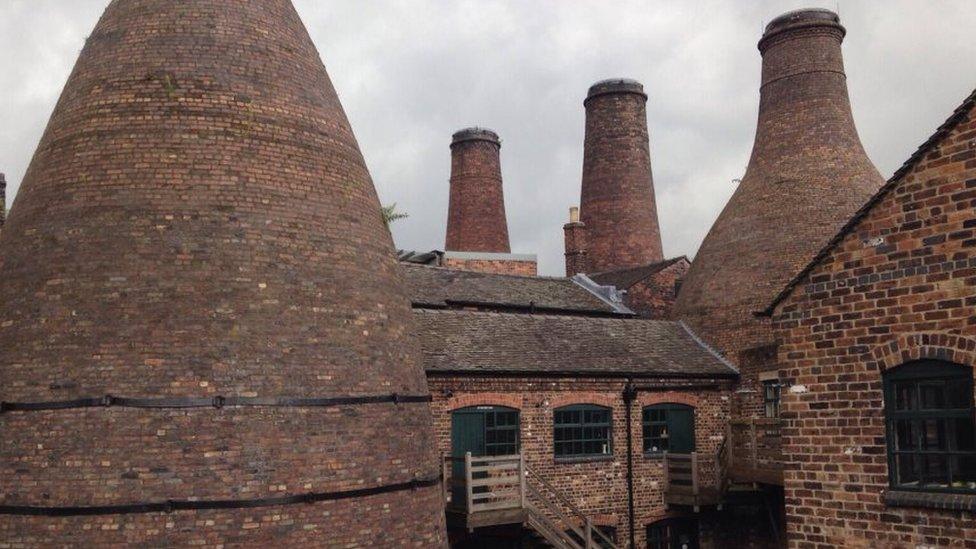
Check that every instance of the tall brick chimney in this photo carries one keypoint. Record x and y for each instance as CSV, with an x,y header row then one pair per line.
x,y
617,201
212,256
808,174
574,234
476,214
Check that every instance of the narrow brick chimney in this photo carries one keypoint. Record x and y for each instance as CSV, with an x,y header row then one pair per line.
x,y
807,175
476,214
3,199
617,200
574,234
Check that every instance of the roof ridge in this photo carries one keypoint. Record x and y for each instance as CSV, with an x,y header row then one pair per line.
x,y
482,273
950,123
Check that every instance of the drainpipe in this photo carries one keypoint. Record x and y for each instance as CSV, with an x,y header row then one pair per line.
x,y
630,394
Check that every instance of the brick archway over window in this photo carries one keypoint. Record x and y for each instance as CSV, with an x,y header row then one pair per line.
x,y
667,397
931,345
508,400
585,397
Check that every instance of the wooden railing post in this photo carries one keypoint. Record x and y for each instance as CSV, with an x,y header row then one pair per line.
x,y
730,442
522,475
445,466
694,473
755,442
589,534
468,489
667,468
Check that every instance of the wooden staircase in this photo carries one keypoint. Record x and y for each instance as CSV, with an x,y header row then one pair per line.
x,y
501,490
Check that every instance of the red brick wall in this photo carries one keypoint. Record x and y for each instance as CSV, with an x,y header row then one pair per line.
x,y
901,286
476,213
654,296
597,487
498,266
617,202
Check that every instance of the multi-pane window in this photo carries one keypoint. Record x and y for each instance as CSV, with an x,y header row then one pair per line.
x,y
931,427
668,428
771,395
582,431
501,432
673,534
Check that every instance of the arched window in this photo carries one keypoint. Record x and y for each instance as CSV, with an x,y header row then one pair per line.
x,y
669,428
582,430
676,533
931,428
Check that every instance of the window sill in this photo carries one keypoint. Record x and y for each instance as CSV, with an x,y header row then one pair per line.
x,y
931,500
582,459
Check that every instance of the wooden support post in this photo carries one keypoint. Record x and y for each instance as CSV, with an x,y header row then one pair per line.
x,y
468,489
694,474
755,445
445,469
522,474
589,534
730,442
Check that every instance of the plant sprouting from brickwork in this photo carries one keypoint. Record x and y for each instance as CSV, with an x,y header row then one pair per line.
x,y
390,214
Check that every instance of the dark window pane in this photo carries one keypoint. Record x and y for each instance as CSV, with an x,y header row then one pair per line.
x,y
964,472
906,436
933,395
936,472
933,435
959,395
964,434
907,473
904,395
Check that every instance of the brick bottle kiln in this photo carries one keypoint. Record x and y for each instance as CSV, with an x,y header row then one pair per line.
x,y
808,173
617,206
204,338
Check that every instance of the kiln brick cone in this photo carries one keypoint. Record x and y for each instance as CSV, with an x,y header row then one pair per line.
x,y
198,227
807,175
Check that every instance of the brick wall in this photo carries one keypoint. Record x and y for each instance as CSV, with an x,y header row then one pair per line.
x,y
654,296
497,266
598,487
900,286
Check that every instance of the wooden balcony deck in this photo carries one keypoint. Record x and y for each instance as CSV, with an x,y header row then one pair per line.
x,y
755,451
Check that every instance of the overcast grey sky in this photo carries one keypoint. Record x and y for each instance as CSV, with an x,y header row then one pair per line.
x,y
411,72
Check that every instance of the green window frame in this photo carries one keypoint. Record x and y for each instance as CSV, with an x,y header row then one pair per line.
x,y
659,427
501,432
675,533
931,427
582,430
772,392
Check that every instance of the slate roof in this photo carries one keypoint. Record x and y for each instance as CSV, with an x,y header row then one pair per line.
x,y
455,341
434,287
627,277
957,116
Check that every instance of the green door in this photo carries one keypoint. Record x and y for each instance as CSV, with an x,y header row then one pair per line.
x,y
681,421
467,435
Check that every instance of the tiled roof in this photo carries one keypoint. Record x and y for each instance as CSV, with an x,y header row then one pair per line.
x,y
442,288
500,343
958,115
627,277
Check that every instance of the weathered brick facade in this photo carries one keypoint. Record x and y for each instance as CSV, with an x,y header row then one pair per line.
x,y
492,263
807,175
198,222
617,202
476,213
597,486
898,284
651,290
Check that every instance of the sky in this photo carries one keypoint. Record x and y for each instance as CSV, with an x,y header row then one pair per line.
x,y
409,73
